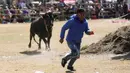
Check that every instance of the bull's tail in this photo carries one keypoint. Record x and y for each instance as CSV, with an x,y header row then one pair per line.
x,y
32,36
35,39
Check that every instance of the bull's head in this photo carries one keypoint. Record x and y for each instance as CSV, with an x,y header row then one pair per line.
x,y
49,19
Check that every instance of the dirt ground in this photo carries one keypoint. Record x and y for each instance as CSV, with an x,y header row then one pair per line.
x,y
16,57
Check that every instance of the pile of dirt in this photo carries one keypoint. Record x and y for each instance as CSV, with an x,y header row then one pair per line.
x,y
117,42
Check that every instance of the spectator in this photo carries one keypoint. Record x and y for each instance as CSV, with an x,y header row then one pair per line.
x,y
125,8
22,5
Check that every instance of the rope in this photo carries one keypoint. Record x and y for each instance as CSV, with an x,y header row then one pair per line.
x,y
124,15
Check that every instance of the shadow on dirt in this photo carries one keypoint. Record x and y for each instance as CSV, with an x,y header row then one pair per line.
x,y
69,72
123,57
34,52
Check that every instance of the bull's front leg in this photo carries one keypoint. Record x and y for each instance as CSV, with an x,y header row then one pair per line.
x,y
45,41
49,38
49,43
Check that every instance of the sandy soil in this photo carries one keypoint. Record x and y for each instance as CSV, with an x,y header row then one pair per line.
x,y
16,57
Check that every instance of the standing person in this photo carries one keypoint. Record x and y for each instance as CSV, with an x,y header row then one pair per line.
x,y
125,8
97,10
77,26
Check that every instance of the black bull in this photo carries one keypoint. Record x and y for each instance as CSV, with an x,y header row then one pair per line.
x,y
43,28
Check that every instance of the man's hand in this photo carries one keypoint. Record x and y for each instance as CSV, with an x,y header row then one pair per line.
x,y
61,41
90,33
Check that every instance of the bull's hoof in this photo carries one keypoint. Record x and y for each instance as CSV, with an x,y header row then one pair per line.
x,y
29,46
39,48
48,49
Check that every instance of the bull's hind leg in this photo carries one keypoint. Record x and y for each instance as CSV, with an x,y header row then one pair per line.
x,y
39,45
29,45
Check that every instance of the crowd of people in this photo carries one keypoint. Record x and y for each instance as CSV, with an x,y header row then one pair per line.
x,y
17,12
22,12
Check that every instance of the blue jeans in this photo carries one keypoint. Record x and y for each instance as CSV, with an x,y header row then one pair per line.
x,y
74,54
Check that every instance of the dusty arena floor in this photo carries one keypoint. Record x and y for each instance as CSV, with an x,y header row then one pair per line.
x,y
16,57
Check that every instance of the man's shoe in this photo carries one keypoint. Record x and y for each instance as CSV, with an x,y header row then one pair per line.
x,y
63,62
71,68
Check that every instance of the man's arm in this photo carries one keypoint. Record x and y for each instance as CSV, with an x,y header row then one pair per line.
x,y
88,31
64,28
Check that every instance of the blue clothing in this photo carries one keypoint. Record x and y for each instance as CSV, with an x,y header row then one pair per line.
x,y
75,53
74,47
76,29
72,16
